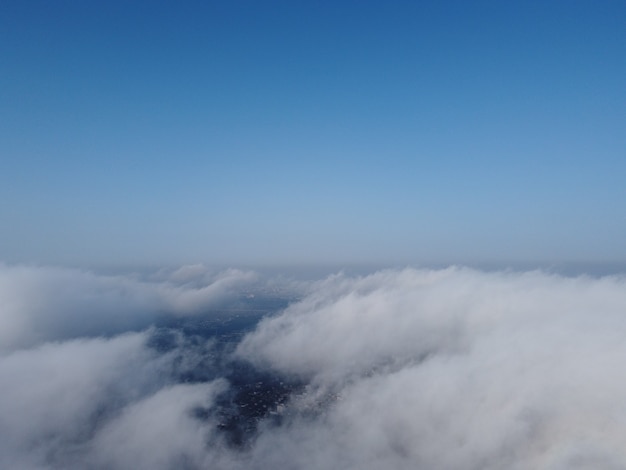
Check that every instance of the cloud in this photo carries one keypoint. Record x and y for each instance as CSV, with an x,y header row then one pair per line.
x,y
101,403
435,369
52,395
39,304
159,432
452,369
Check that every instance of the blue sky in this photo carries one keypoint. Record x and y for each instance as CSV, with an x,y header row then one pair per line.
x,y
332,132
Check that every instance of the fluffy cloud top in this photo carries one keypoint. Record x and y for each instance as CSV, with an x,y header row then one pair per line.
x,y
39,304
413,369
454,369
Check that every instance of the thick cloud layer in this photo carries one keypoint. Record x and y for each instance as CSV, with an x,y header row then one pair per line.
x,y
456,369
109,402
447,369
43,303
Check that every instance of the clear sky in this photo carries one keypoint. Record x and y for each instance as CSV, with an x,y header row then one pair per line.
x,y
321,132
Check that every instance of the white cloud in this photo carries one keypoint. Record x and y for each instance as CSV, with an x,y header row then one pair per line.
x,y
448,369
52,395
159,432
454,369
39,304
101,403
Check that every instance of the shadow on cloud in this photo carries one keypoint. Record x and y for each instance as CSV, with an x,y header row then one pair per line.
x,y
433,369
